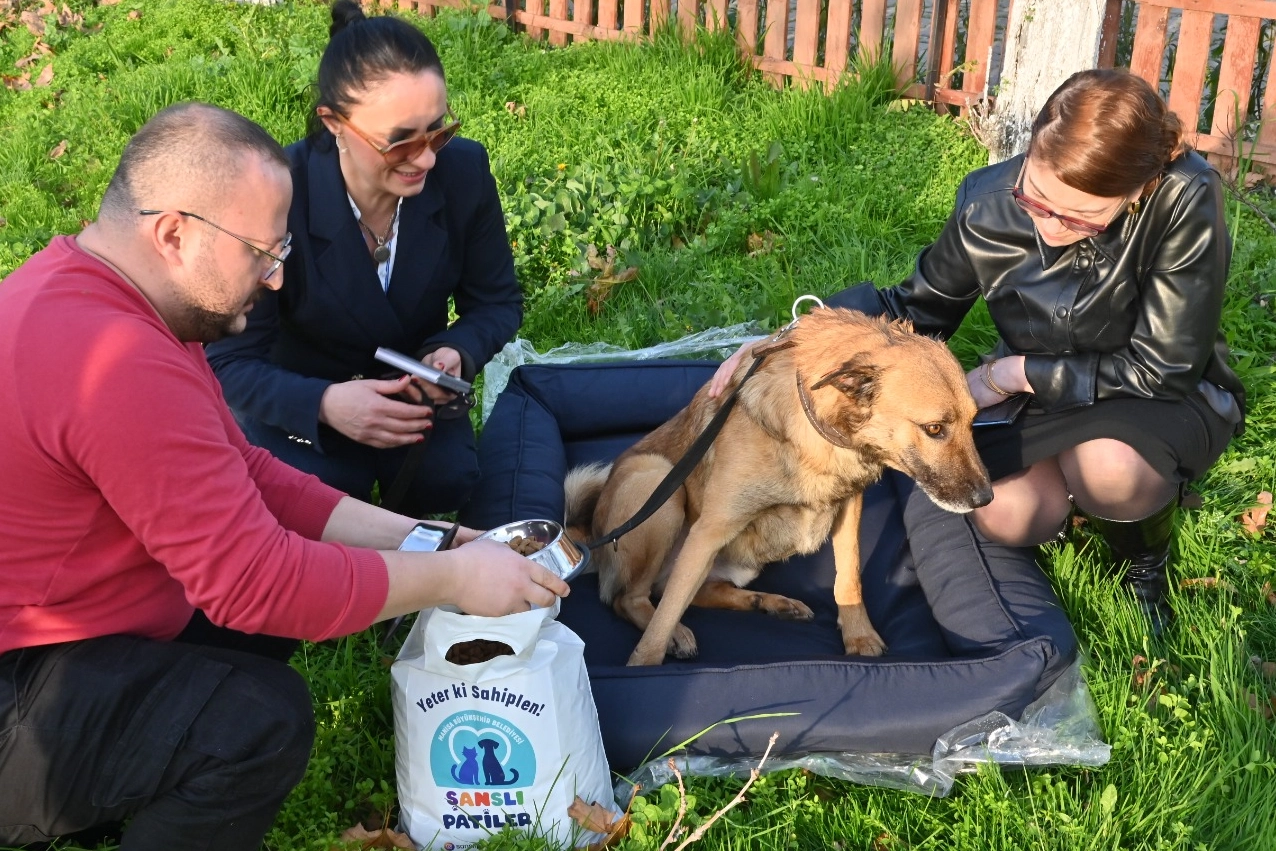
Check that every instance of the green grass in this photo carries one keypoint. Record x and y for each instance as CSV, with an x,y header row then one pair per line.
x,y
684,161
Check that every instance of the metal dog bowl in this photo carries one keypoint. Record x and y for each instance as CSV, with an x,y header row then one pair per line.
x,y
560,555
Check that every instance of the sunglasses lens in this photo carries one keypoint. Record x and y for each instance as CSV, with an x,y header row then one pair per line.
x,y
1031,208
443,136
408,149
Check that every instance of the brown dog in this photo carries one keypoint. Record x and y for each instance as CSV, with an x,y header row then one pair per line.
x,y
838,397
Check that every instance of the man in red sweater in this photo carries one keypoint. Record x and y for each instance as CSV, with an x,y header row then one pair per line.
x,y
156,570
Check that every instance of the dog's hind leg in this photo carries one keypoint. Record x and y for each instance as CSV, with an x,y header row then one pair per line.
x,y
719,594
858,636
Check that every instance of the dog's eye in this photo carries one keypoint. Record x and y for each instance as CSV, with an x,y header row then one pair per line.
x,y
934,429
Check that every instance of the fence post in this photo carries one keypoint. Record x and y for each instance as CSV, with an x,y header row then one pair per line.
x,y
1046,41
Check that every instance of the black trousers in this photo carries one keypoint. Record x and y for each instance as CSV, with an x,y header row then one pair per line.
x,y
194,746
442,483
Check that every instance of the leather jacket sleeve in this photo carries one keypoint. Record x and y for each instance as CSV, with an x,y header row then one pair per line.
x,y
1134,311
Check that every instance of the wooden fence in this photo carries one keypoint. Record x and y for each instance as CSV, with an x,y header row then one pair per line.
x,y
812,41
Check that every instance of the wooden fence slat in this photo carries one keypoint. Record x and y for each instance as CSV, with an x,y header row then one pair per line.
x,y
715,16
948,46
558,11
980,33
1245,8
633,16
583,12
688,16
1149,43
872,26
659,14
775,41
806,33
1190,60
608,14
1240,50
535,9
746,32
837,44
1110,34
908,29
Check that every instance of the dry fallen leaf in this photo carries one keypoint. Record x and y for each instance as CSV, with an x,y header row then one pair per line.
x,y
1259,705
598,819
46,77
20,83
1267,669
516,109
1254,519
134,14
1211,583
383,838
58,150
1268,594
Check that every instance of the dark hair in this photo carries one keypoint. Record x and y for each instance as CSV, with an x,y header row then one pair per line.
x,y
203,142
1106,132
362,51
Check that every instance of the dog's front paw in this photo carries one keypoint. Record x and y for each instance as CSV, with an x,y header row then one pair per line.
x,y
858,636
682,645
785,607
864,645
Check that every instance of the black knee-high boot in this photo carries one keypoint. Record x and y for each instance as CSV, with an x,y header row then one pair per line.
x,y
1141,548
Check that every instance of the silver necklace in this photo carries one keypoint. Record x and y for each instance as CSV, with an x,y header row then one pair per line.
x,y
381,252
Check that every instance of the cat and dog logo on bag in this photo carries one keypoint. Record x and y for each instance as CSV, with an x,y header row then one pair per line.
x,y
508,742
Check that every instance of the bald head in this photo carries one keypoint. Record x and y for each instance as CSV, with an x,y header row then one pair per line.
x,y
188,156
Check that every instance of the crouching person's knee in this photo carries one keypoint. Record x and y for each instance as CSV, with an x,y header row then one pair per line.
x,y
244,751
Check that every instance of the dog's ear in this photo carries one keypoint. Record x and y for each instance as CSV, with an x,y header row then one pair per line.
x,y
859,379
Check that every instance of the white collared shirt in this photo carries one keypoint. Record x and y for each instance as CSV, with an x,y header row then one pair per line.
x,y
385,269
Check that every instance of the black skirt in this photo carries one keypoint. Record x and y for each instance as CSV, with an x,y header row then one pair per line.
x,y
1179,439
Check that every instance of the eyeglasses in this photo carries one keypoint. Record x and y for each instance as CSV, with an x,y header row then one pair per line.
x,y
408,149
1041,211
277,258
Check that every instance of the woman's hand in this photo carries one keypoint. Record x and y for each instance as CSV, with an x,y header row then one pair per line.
x,y
363,411
1006,374
722,377
443,359
495,584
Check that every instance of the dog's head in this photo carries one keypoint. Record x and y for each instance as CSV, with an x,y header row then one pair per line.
x,y
896,397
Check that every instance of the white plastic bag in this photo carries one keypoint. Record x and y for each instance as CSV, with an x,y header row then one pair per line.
x,y
509,741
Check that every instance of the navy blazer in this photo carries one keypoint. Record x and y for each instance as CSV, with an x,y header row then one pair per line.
x,y
324,325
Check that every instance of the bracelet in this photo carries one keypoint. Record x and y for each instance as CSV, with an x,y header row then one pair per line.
x,y
985,374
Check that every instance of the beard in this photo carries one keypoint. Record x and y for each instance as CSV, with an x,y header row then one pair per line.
x,y
204,315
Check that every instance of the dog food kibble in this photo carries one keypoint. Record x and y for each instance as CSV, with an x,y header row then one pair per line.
x,y
478,650
525,546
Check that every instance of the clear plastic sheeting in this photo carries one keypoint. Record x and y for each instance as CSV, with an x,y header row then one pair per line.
x,y
1059,728
711,344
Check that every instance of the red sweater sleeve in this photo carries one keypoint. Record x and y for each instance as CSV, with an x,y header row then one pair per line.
x,y
120,407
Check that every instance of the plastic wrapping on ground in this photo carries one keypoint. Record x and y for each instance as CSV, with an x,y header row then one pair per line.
x,y
713,343
1059,728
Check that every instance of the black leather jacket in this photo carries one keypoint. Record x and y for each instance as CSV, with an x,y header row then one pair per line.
x,y
1134,311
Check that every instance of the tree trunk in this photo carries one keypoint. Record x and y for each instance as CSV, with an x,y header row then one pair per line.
x,y
1046,42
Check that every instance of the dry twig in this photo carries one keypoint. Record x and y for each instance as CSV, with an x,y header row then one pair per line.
x,y
753,775
682,806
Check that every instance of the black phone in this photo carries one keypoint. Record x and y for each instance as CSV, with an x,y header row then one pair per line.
x,y
1004,412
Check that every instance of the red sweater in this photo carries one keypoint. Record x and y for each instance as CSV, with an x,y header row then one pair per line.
x,y
128,495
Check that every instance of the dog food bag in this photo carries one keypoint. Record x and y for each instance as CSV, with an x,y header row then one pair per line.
x,y
495,727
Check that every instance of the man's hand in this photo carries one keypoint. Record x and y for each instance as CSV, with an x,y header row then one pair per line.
x,y
480,578
363,412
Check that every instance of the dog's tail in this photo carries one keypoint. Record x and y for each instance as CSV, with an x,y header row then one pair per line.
x,y
582,488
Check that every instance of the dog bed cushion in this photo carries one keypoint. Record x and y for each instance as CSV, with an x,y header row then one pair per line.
x,y
971,627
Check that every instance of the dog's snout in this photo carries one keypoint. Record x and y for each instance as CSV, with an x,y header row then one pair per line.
x,y
982,495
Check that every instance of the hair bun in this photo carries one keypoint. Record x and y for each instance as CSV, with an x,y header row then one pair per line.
x,y
1172,135
345,13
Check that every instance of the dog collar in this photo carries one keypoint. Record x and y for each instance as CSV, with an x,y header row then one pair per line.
x,y
825,431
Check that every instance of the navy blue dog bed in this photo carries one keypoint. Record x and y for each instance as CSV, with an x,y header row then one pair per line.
x,y
971,627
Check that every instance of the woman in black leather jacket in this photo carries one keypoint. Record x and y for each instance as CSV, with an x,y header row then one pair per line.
x,y
1102,254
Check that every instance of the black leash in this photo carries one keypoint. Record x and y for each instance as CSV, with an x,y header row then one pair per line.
x,y
671,482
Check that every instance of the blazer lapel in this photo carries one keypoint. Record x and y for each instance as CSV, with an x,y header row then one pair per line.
x,y
421,245
346,272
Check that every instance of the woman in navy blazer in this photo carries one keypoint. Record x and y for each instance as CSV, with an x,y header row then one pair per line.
x,y
394,223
